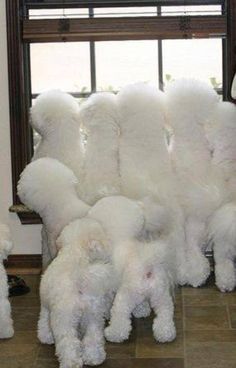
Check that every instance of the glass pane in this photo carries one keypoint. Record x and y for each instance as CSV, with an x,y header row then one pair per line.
x,y
122,62
201,59
64,66
125,12
191,10
57,13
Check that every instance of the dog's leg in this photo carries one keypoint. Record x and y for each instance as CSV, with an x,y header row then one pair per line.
x,y
225,273
6,324
162,303
44,330
93,341
198,265
64,318
120,324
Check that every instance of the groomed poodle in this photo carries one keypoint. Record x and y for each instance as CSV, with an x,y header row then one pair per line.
x,y
6,324
221,133
144,162
76,294
190,104
123,220
49,188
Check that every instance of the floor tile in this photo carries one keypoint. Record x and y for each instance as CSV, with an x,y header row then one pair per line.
x,y
205,318
18,355
232,315
25,319
141,363
147,347
210,349
21,337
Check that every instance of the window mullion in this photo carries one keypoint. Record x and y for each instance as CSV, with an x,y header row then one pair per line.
x,y
92,58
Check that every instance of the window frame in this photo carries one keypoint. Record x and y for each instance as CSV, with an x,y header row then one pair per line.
x,y
18,38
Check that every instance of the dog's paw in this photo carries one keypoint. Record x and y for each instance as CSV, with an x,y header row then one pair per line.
x,y
118,334
198,271
164,331
6,332
225,277
93,354
69,352
142,310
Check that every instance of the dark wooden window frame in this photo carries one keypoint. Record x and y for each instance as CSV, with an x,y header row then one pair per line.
x,y
22,31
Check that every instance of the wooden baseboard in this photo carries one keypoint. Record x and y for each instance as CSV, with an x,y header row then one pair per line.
x,y
24,261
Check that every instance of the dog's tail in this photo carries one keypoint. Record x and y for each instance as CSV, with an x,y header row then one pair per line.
x,y
51,109
5,241
47,183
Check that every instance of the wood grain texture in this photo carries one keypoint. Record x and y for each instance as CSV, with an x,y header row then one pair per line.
x,y
123,28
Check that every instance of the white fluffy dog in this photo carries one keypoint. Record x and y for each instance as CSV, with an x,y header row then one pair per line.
x,y
6,324
145,166
221,134
126,223
75,295
190,104
99,125
55,116
49,188
144,270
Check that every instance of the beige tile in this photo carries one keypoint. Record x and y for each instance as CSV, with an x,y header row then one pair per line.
x,y
205,318
147,347
46,352
24,301
232,314
18,355
210,349
25,319
207,297
22,337
143,363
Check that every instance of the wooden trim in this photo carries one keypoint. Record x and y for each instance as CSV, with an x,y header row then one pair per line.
x,y
124,28
24,261
230,46
114,3
20,148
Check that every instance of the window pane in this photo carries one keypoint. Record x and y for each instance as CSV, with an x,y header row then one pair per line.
x,y
57,13
123,62
191,10
65,66
201,59
125,12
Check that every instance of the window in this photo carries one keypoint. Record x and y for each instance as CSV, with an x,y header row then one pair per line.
x,y
85,46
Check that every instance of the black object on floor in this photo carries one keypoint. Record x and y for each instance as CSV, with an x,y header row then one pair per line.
x,y
17,286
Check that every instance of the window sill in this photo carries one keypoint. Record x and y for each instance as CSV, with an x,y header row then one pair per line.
x,y
26,216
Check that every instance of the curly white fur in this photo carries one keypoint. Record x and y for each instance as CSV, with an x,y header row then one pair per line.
x,y
99,116
49,188
221,133
6,323
76,291
189,106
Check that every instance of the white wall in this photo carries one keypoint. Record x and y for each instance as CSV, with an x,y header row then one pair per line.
x,y
26,237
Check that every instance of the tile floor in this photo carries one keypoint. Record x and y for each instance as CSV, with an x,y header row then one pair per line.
x,y
206,335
